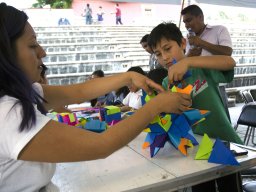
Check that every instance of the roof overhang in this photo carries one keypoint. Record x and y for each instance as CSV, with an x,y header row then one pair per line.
x,y
237,3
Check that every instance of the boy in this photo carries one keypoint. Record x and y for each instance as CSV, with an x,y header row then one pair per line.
x,y
168,44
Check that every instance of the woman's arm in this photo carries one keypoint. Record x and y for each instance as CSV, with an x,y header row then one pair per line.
x,y
78,93
57,142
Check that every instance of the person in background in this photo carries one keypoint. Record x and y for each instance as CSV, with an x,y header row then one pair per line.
x,y
168,44
97,102
97,74
116,97
118,15
88,14
133,99
120,94
63,21
100,14
43,80
208,40
112,98
157,75
30,142
153,63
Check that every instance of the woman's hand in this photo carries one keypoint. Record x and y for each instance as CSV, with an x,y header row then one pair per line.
x,y
144,83
173,102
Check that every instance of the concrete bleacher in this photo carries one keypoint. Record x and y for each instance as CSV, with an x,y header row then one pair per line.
x,y
73,52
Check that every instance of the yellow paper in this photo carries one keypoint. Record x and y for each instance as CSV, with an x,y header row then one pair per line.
x,y
112,109
205,148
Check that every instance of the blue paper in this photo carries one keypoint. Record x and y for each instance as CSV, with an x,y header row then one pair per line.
x,y
222,155
96,126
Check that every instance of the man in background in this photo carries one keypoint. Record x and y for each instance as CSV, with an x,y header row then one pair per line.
x,y
208,40
153,63
118,15
88,14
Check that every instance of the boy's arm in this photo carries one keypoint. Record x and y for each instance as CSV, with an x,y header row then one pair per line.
x,y
217,62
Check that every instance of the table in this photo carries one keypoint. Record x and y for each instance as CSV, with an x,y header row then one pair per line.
x,y
132,169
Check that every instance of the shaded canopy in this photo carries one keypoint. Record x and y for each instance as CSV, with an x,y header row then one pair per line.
x,y
237,3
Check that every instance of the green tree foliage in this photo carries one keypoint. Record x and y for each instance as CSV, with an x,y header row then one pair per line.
x,y
223,15
242,17
55,4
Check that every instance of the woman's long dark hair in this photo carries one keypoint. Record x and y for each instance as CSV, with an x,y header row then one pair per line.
x,y
13,81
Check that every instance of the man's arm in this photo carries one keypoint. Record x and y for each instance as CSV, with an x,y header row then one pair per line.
x,y
216,49
222,46
212,48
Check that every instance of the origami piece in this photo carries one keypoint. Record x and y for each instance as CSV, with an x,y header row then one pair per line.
x,y
53,115
110,114
96,126
67,118
205,148
172,128
222,155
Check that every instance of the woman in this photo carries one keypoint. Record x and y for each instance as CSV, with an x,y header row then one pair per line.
x,y
30,142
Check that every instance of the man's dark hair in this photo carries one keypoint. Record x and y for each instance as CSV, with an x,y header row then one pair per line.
x,y
193,10
144,39
164,30
98,73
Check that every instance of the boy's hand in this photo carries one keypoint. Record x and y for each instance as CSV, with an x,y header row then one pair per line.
x,y
177,71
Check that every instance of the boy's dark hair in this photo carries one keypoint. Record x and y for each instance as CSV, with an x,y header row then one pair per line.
x,y
168,31
157,75
98,73
144,38
193,10
13,81
137,69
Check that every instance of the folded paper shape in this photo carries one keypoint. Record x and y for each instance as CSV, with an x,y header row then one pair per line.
x,y
67,118
96,126
173,128
110,114
205,148
195,116
222,155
